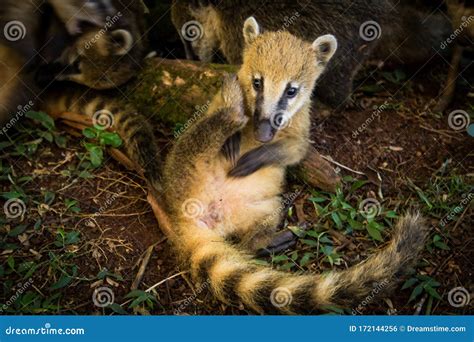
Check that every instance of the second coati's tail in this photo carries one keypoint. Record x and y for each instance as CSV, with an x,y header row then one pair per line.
x,y
235,278
112,114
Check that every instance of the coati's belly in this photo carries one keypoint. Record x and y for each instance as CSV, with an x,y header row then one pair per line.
x,y
227,204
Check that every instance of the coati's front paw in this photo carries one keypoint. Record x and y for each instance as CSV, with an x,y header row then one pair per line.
x,y
233,99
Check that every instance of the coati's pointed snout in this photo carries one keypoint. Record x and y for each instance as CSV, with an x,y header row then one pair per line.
x,y
264,131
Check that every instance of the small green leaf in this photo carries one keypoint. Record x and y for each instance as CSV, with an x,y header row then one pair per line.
x,y
409,283
280,258
317,199
391,214
110,139
11,262
96,156
42,118
89,132
49,197
358,184
69,203
47,136
374,232
311,243
18,230
63,281
337,220
117,309
60,140
432,292
306,258
416,292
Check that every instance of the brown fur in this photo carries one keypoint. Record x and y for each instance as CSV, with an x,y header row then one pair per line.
x,y
406,36
208,206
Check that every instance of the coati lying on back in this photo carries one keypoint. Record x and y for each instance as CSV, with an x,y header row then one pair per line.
x,y
224,177
364,28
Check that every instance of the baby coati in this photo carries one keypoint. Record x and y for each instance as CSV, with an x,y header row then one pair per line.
x,y
97,43
210,29
224,177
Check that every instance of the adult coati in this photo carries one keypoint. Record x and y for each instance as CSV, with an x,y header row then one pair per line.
x,y
224,177
84,59
97,43
364,29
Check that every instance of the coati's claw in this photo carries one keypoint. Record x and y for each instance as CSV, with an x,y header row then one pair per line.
x,y
281,242
231,148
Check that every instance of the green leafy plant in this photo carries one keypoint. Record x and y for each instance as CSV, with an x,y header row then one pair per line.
x,y
422,284
100,139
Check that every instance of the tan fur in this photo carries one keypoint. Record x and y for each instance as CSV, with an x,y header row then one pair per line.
x,y
197,174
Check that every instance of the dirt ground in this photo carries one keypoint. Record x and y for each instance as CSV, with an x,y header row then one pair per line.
x,y
83,231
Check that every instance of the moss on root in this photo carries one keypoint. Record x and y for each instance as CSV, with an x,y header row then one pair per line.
x,y
170,91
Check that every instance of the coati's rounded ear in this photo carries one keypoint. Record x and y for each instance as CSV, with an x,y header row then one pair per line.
x,y
325,47
251,30
122,42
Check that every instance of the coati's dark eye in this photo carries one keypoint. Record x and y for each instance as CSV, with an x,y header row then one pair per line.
x,y
257,83
291,92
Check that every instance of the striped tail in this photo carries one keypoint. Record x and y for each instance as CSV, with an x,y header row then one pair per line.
x,y
108,112
234,278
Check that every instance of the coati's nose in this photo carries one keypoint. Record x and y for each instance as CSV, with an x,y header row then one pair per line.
x,y
264,131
